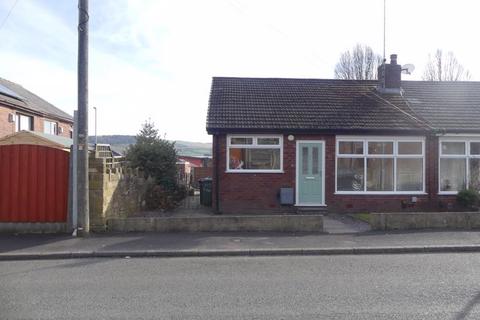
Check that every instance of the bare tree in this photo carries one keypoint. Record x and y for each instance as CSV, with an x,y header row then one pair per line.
x,y
359,64
445,68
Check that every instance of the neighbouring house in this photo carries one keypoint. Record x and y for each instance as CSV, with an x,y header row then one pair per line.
x,y
197,162
190,169
21,109
193,169
343,145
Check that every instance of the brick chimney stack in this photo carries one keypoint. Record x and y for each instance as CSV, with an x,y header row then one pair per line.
x,y
389,79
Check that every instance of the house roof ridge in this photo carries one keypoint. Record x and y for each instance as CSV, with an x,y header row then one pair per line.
x,y
411,115
343,80
291,78
33,101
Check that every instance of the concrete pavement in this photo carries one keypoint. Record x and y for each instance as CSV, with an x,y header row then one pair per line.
x,y
17,247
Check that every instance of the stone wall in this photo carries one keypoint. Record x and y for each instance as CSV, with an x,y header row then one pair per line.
x,y
115,191
225,223
424,220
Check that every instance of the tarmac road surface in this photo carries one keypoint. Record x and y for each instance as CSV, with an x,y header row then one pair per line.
x,y
404,286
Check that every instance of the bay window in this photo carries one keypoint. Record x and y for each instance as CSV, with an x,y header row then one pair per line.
x,y
380,165
459,165
254,153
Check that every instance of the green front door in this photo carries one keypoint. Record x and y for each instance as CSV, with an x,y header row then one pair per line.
x,y
310,157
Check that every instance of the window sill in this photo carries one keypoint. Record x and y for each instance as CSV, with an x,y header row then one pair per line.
x,y
253,171
392,193
448,193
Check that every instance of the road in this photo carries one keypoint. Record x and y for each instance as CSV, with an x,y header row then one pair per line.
x,y
420,286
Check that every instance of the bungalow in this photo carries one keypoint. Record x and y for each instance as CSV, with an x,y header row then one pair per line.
x,y
343,145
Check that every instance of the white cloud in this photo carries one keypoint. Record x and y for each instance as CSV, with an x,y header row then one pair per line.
x,y
155,59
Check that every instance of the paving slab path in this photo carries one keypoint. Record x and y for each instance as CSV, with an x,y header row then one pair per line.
x,y
343,224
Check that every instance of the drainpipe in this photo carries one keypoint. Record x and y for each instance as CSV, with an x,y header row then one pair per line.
x,y
217,182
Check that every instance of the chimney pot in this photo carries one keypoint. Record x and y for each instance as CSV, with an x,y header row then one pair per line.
x,y
393,59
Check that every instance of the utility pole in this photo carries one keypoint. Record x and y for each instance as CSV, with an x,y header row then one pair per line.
x,y
83,203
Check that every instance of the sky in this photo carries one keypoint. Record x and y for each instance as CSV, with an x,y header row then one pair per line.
x,y
154,59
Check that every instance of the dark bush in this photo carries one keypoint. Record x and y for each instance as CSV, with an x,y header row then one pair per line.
x,y
158,197
157,158
468,198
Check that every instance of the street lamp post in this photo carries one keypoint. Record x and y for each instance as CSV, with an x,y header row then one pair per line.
x,y
95,108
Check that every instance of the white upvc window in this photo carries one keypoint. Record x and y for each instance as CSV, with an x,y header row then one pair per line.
x,y
50,127
380,165
255,153
459,164
23,122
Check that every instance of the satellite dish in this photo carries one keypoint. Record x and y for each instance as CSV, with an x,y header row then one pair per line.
x,y
408,68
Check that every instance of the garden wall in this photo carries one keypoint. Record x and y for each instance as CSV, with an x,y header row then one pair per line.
x,y
115,191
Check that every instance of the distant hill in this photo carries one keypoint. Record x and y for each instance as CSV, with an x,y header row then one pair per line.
x,y
185,148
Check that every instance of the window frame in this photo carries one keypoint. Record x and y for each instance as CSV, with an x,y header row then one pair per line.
x,y
56,126
394,155
18,116
466,157
254,145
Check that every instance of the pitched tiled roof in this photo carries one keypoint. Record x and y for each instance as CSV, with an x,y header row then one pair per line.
x,y
31,101
450,106
324,104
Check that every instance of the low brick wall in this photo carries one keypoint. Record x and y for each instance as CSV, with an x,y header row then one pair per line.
x,y
278,223
425,220
114,192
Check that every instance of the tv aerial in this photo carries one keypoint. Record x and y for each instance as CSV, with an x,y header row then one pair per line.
x,y
408,68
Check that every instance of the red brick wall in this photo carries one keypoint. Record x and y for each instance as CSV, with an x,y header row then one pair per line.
x,y
38,126
7,128
258,192
66,129
200,173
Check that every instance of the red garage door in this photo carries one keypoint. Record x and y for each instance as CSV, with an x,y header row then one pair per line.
x,y
33,184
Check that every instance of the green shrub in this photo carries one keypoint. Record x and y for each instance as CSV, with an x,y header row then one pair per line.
x,y
468,197
154,156
158,197
157,158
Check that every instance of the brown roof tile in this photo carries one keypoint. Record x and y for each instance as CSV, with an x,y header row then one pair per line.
x,y
323,104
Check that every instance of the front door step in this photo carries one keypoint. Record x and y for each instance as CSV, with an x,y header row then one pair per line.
x,y
221,223
312,210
